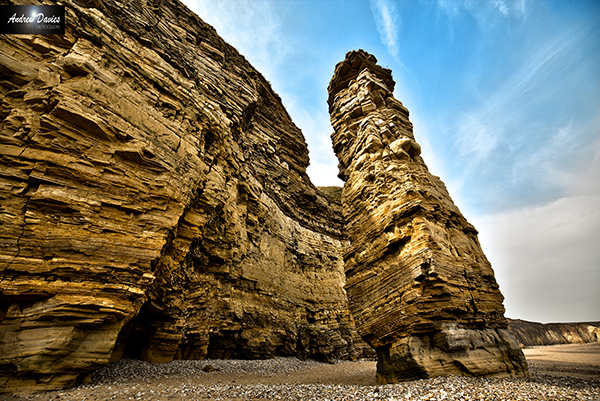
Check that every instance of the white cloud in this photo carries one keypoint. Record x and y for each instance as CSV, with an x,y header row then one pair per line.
x,y
323,174
388,23
547,258
502,7
316,126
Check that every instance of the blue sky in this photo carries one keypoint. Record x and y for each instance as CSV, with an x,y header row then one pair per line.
x,y
505,99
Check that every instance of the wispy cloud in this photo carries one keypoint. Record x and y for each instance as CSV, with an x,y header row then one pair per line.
x,y
566,163
488,14
447,12
388,23
501,6
520,126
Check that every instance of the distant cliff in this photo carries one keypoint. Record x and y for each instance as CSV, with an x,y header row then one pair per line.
x,y
529,334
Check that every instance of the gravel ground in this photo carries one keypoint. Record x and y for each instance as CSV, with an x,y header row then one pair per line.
x,y
568,374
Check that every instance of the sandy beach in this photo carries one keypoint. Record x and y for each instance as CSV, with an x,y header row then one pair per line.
x,y
560,372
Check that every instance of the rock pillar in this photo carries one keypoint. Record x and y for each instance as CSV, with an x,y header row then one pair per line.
x,y
420,289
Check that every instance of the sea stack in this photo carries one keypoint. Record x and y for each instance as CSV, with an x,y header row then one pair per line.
x,y
420,289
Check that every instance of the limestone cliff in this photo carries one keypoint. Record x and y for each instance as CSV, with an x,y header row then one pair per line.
x,y
531,334
154,202
420,289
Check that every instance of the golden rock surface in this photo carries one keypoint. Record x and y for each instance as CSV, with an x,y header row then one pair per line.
x,y
420,289
154,202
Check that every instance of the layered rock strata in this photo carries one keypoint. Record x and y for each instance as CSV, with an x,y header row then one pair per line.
x,y
420,289
154,202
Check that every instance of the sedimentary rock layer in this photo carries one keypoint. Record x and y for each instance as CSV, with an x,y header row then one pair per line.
x,y
154,202
420,289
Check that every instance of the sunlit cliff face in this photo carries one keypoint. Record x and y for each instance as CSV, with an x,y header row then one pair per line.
x,y
420,289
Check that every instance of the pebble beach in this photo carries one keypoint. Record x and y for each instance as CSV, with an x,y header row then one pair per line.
x,y
557,373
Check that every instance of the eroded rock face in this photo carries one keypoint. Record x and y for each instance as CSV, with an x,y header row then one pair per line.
x,y
420,289
154,202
